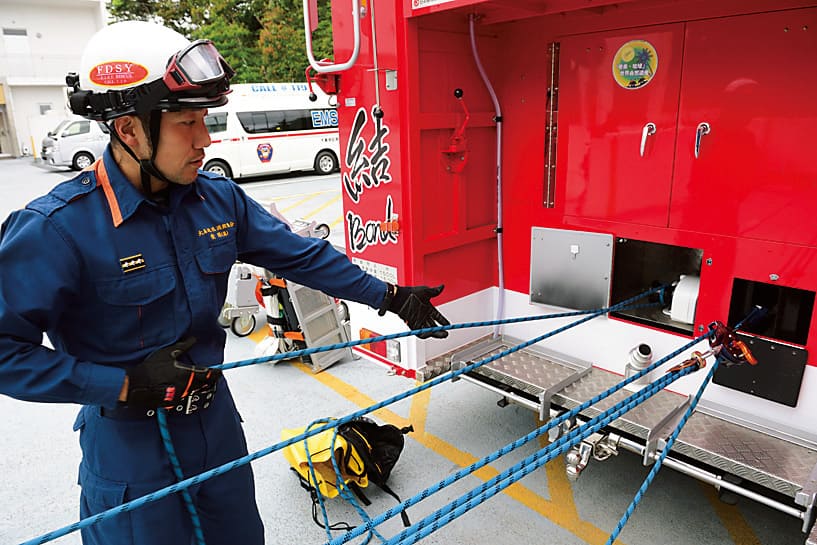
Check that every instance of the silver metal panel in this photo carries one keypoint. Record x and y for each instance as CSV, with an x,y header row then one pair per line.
x,y
320,324
570,268
771,462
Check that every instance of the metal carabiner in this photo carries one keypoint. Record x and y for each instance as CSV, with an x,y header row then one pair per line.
x,y
732,349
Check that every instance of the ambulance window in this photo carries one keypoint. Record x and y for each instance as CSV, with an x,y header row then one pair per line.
x,y
245,118
254,122
298,120
77,127
216,122
258,122
276,121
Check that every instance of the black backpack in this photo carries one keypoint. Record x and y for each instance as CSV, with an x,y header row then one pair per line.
x,y
379,448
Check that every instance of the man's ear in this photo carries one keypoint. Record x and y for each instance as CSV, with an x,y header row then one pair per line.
x,y
130,131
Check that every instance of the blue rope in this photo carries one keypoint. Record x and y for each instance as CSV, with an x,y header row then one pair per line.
x,y
314,476
161,417
368,525
229,466
757,310
349,344
654,471
349,496
339,478
488,489
394,511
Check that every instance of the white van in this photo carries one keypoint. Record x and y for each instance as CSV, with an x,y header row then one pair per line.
x,y
75,142
268,128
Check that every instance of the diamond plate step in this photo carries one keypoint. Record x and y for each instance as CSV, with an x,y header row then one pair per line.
x,y
768,461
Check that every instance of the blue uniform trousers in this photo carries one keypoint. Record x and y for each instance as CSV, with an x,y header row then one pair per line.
x,y
124,459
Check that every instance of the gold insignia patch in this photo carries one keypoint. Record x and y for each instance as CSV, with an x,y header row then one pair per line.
x,y
132,263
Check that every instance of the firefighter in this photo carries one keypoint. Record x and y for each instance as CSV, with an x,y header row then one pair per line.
x,y
125,269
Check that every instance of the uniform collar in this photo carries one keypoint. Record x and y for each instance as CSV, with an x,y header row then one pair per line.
x,y
122,197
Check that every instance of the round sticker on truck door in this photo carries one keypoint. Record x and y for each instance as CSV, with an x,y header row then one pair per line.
x,y
635,64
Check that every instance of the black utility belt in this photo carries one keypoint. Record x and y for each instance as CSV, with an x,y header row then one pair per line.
x,y
195,402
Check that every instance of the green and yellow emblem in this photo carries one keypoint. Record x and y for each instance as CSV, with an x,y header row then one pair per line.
x,y
635,64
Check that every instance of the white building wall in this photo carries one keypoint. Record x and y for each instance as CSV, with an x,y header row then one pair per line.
x,y
28,117
40,42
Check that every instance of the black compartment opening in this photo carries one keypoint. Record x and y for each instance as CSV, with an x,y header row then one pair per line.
x,y
639,266
788,310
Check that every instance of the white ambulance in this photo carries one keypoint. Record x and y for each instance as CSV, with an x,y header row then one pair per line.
x,y
269,128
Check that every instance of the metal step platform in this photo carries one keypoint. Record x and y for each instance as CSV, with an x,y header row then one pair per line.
x,y
708,447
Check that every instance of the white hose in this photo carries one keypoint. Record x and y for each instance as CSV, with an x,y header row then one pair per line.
x,y
500,308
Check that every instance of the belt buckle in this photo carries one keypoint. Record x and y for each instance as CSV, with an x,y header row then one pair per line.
x,y
187,405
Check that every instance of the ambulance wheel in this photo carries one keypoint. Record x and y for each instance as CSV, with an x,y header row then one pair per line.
x,y
82,160
243,326
326,162
219,167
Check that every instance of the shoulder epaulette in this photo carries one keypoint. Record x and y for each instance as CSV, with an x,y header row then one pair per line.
x,y
64,193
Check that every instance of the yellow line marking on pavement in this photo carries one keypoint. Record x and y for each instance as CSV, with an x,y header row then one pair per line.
x,y
732,519
258,336
297,195
553,510
558,484
300,202
327,204
337,221
418,412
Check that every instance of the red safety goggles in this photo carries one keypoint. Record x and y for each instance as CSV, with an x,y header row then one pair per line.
x,y
196,66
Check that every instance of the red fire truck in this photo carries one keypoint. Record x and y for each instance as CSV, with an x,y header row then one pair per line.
x,y
541,155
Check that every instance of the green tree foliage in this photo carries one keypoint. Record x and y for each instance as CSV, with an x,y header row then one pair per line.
x,y
281,39
263,40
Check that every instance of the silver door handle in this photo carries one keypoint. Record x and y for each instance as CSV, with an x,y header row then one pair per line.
x,y
703,128
648,130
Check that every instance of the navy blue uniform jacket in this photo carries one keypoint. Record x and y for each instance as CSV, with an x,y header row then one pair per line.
x,y
110,277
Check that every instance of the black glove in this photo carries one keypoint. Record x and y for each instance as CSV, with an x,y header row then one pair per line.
x,y
413,305
162,381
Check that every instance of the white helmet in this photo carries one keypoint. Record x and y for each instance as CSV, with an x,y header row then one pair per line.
x,y
136,66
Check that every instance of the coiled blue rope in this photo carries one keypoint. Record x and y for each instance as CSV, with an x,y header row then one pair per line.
x,y
394,511
191,481
161,417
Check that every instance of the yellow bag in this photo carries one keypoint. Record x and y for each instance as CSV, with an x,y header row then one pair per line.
x,y
349,462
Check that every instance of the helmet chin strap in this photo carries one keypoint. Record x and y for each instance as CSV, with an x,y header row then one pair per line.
x,y
147,167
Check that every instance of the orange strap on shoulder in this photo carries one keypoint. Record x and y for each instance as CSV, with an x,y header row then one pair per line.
x,y
103,180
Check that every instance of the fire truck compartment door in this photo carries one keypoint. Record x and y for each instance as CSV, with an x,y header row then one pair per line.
x,y
614,169
753,80
570,269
